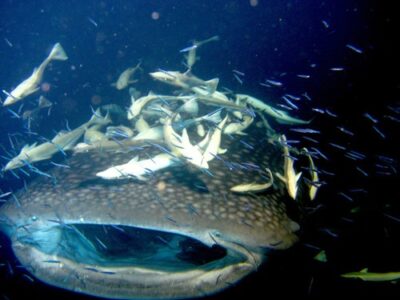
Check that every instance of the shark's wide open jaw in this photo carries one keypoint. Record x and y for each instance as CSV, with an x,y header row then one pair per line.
x,y
64,233
168,267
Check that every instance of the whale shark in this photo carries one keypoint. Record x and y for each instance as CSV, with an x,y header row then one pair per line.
x,y
179,234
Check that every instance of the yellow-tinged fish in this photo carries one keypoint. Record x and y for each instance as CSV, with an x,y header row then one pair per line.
x,y
153,133
212,148
199,154
371,276
93,135
314,176
237,128
138,168
181,145
63,141
120,132
137,105
289,177
125,78
31,84
141,124
279,115
191,107
191,56
215,95
185,80
254,187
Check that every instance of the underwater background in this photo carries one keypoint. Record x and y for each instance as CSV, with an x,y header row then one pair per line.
x,y
342,54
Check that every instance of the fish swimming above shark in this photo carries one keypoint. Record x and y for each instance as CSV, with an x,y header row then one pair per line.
x,y
124,79
63,141
184,80
279,115
31,84
180,234
289,176
191,57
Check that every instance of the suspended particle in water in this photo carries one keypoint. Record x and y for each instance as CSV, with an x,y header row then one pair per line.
x,y
45,87
253,3
96,100
155,15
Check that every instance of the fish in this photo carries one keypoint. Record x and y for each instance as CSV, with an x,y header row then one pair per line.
x,y
124,79
289,177
187,49
137,105
63,141
279,115
199,43
152,133
354,48
274,82
254,187
138,168
31,84
372,276
43,103
153,237
239,127
191,56
141,124
119,132
314,176
184,80
181,146
199,154
93,135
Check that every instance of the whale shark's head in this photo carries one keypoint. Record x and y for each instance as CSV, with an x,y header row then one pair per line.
x,y
182,233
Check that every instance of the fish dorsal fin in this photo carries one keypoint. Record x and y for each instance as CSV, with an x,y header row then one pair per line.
x,y
26,148
60,133
203,143
134,160
365,270
212,85
185,138
222,151
298,175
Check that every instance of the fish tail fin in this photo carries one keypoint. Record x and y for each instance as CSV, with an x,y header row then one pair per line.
x,y
58,53
298,175
214,117
212,85
138,66
98,119
134,160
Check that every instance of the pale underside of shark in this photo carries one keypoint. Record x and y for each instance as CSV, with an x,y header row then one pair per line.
x,y
182,233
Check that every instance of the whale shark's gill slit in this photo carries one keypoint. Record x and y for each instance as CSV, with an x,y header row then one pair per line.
x,y
111,246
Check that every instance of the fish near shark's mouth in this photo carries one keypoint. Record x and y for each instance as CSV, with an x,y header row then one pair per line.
x,y
130,262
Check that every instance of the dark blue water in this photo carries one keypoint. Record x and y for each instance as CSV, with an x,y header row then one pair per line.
x,y
275,40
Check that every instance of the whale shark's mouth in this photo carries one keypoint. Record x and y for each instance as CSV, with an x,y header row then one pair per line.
x,y
132,262
111,246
